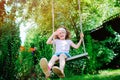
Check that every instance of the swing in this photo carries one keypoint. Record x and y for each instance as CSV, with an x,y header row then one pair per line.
x,y
85,54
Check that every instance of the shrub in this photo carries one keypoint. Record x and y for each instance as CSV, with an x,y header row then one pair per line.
x,y
104,55
24,65
9,46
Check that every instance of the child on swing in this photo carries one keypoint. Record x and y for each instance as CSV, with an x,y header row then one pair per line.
x,y
62,44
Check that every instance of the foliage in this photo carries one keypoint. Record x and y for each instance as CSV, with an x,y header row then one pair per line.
x,y
113,44
45,50
39,41
91,67
9,41
76,67
2,12
73,51
24,64
103,55
42,50
9,46
99,54
93,13
25,67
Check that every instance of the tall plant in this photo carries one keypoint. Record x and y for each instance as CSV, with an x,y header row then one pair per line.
x,y
9,46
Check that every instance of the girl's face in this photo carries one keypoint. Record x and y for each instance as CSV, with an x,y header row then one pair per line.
x,y
61,33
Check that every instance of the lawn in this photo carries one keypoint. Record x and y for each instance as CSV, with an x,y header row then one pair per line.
x,y
103,75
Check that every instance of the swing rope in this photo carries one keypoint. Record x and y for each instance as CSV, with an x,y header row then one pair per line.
x,y
53,24
80,19
53,16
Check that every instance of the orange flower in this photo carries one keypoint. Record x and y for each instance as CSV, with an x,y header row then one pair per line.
x,y
32,49
22,48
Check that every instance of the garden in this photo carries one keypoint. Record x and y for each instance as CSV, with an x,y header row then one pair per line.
x,y
26,25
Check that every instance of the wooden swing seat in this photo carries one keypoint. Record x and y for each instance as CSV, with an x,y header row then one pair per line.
x,y
77,56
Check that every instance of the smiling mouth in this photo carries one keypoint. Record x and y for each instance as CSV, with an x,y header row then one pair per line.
x,y
61,36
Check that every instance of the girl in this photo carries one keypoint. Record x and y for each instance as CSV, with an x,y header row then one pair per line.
x,y
62,43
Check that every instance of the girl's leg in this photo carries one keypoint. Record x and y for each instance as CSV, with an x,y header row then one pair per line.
x,y
62,58
52,61
60,71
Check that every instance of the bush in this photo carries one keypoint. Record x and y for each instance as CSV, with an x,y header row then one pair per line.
x,y
99,54
24,65
76,67
39,41
103,55
45,50
9,47
42,50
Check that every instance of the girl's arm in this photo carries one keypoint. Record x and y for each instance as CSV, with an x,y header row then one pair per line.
x,y
76,46
50,39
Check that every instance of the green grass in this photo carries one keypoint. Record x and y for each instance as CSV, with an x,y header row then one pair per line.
x,y
103,75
